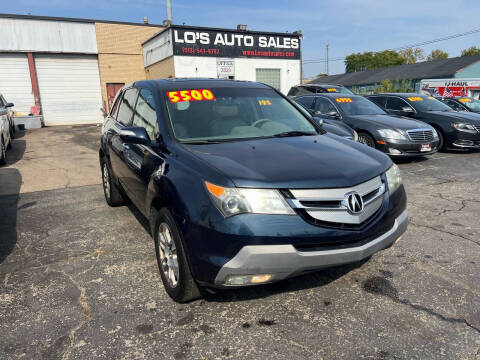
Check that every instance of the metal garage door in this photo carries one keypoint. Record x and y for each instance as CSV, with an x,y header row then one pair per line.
x,y
69,89
15,84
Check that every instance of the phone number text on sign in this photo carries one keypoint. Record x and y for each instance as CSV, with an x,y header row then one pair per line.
x,y
190,95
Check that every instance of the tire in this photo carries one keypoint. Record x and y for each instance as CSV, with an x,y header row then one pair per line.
x,y
113,195
10,144
180,284
12,132
366,139
441,142
3,152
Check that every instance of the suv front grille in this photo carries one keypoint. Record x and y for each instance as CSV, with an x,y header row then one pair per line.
x,y
420,135
329,206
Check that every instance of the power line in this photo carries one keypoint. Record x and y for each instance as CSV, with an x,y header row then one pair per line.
x,y
423,43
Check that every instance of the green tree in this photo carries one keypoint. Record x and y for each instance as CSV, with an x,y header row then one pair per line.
x,y
371,61
322,74
471,51
437,55
412,55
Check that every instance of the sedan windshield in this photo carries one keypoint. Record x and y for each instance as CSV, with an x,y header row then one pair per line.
x,y
427,103
357,105
471,104
233,113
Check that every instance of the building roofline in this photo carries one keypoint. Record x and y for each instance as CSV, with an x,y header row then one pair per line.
x,y
251,32
78,20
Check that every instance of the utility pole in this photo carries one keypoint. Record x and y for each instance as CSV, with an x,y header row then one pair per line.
x,y
169,11
326,60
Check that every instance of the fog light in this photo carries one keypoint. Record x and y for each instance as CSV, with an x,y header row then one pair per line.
x,y
394,151
248,279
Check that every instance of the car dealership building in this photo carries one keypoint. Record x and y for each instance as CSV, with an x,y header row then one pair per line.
x,y
67,69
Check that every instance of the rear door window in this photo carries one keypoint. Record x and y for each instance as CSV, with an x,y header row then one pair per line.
x,y
127,104
145,115
379,100
395,103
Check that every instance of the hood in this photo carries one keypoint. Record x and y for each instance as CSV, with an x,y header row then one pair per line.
x,y
390,122
468,117
300,162
339,131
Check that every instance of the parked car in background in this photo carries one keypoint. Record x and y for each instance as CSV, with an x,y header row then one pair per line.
x,y
398,137
455,129
462,104
5,130
335,127
241,187
8,106
318,89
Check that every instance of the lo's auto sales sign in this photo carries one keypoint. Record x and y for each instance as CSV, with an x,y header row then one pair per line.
x,y
234,44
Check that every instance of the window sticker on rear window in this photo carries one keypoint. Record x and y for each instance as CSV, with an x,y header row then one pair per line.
x,y
344,100
264,102
332,90
415,98
465,100
190,95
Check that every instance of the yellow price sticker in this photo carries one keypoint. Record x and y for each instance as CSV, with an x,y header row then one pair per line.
x,y
332,90
264,102
431,98
344,100
415,98
465,100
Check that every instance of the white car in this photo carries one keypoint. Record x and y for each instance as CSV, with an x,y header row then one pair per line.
x,y
6,129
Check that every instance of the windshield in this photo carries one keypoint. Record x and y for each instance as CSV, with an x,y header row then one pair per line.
x,y
328,89
427,103
357,105
471,104
222,114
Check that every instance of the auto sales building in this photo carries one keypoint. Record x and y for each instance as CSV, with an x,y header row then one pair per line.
x,y
186,51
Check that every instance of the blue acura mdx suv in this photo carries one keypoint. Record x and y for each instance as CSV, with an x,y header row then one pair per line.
x,y
241,187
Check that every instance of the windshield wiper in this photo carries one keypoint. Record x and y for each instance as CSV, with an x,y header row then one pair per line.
x,y
295,133
199,142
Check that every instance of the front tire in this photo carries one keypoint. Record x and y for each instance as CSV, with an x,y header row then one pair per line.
x,y
366,139
172,261
113,195
3,152
441,142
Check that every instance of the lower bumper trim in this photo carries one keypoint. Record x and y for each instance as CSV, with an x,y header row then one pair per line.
x,y
285,261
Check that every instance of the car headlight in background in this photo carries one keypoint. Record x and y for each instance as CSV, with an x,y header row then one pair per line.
x,y
233,201
394,180
463,127
391,134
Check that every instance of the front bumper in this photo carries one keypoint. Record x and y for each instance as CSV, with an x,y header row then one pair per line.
x,y
406,148
467,139
285,261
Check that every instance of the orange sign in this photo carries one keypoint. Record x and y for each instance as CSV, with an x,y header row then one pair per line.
x,y
332,90
465,100
264,102
415,98
190,95
344,100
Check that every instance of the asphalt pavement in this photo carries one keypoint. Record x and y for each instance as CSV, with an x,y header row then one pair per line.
x,y
79,280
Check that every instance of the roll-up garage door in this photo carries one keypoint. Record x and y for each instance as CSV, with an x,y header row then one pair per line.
x,y
69,89
15,83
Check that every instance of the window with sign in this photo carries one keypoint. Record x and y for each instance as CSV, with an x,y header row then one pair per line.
x,y
268,76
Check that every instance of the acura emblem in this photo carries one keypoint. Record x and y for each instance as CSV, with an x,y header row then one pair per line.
x,y
354,203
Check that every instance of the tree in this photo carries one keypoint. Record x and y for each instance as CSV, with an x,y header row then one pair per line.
x,y
322,74
471,51
413,55
371,61
437,55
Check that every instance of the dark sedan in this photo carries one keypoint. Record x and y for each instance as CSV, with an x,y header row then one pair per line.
x,y
462,104
455,129
398,137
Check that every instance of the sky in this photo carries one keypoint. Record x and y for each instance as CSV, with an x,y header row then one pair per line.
x,y
348,26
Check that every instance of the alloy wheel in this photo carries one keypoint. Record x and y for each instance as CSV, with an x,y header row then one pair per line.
x,y
365,141
168,254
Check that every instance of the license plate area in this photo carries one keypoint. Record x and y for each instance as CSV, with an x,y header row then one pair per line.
x,y
426,148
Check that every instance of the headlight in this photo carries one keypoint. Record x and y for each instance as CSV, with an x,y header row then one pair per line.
x,y
394,180
391,134
233,201
463,126
355,136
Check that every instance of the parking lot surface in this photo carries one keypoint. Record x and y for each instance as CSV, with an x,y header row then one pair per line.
x,y
79,280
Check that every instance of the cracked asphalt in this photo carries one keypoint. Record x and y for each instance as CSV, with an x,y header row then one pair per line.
x,y
78,280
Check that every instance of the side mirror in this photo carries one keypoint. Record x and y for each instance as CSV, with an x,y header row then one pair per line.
x,y
9,105
333,114
134,135
407,110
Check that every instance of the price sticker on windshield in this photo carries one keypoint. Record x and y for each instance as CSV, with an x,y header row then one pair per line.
x,y
190,95
465,100
344,100
415,98
264,102
431,98
332,90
